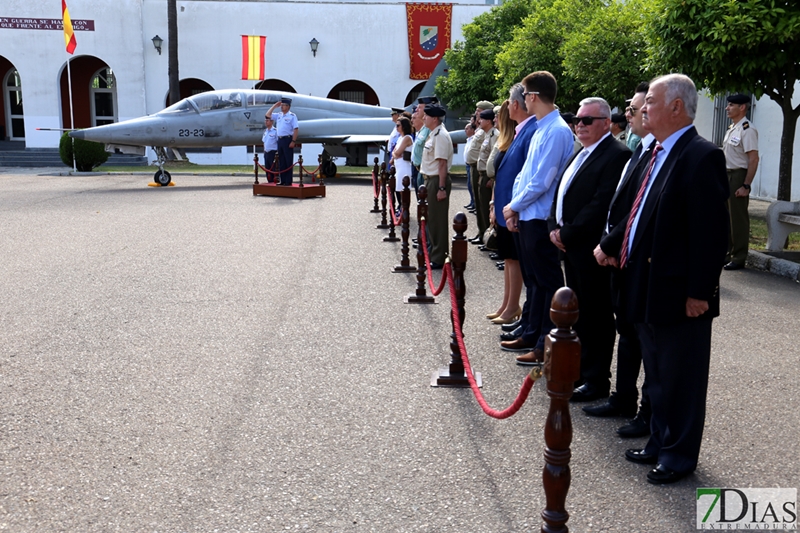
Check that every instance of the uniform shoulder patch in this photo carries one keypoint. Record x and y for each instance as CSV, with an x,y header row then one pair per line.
x,y
745,125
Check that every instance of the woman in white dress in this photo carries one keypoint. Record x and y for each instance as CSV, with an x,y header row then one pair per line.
x,y
401,157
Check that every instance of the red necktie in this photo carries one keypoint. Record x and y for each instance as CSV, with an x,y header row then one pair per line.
x,y
623,255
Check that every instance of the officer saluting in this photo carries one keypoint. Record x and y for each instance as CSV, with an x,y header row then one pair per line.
x,y
287,126
741,160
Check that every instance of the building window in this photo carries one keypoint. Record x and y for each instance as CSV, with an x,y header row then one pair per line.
x,y
352,96
15,117
103,97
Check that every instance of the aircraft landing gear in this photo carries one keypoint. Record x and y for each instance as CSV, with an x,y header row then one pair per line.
x,y
328,165
162,177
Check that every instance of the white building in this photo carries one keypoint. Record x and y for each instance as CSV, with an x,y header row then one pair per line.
x,y
118,74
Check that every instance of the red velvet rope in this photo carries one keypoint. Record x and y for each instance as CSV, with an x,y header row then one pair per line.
x,y
374,185
396,221
527,383
424,243
275,171
313,173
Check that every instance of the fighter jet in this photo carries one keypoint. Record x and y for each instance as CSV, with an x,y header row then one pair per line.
x,y
235,117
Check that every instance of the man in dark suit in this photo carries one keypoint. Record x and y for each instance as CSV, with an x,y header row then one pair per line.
x,y
672,248
576,222
622,401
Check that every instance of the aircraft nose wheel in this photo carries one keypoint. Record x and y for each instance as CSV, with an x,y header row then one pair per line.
x,y
162,177
329,168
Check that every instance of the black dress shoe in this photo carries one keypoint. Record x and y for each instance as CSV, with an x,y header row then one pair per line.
x,y
476,240
661,475
483,248
587,393
494,256
607,409
638,427
501,267
640,457
508,328
436,266
733,266
469,206
517,333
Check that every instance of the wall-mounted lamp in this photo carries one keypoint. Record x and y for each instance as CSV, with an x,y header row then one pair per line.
x,y
157,42
314,45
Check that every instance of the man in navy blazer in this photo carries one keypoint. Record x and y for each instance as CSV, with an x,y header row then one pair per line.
x,y
576,222
671,248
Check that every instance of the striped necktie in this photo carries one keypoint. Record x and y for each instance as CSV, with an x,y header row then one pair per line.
x,y
623,256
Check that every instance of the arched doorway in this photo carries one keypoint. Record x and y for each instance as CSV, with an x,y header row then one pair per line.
x,y
413,94
354,91
190,87
275,85
13,123
93,91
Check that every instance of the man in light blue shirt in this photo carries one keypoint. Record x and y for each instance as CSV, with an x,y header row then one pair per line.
x,y
421,136
270,140
526,215
287,125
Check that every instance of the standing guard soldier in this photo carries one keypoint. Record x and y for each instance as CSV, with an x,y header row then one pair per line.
x,y
437,158
270,140
741,160
286,123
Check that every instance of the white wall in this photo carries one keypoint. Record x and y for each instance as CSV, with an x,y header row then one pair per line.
x,y
768,120
365,41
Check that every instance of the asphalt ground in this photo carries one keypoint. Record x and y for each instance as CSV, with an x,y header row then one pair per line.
x,y
197,359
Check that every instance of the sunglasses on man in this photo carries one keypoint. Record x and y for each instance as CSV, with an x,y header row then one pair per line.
x,y
587,121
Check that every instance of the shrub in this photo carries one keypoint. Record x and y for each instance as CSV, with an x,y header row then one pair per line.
x,y
88,154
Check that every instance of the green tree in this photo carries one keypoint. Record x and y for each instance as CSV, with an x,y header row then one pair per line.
x,y
735,45
538,44
472,71
607,56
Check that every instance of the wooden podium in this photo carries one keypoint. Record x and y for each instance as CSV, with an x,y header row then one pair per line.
x,y
295,190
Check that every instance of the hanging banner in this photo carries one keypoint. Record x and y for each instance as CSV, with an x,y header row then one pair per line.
x,y
428,36
253,47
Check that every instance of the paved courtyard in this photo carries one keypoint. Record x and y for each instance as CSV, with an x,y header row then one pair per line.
x,y
197,359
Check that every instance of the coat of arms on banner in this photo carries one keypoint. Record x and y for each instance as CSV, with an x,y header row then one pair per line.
x,y
428,37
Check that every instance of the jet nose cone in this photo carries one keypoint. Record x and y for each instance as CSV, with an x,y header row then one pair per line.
x,y
77,134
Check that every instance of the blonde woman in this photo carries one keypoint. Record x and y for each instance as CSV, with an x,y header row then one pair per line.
x,y
514,124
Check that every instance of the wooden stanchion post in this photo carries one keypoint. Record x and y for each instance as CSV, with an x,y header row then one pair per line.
x,y
375,171
276,163
420,296
321,173
453,375
392,237
300,169
562,361
255,166
405,265
384,180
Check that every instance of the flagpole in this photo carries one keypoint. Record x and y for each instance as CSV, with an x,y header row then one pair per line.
x,y
71,114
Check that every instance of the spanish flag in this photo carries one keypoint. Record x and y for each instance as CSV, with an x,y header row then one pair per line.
x,y
69,35
253,47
